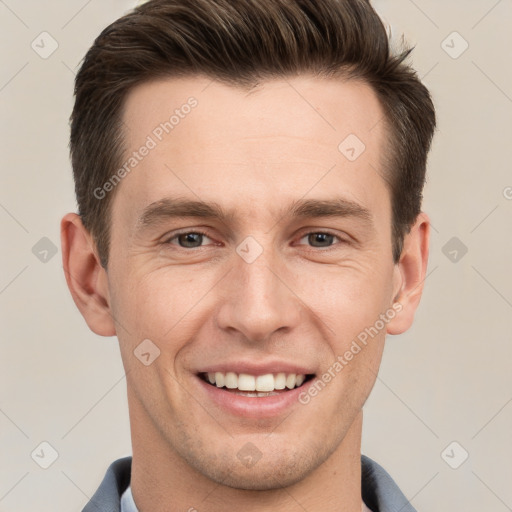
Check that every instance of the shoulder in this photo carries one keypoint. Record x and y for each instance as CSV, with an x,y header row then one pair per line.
x,y
108,496
379,490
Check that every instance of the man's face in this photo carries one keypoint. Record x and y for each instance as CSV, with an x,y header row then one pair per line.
x,y
289,265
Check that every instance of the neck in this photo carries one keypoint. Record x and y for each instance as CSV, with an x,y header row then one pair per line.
x,y
162,481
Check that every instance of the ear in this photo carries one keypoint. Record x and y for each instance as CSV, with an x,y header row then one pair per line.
x,y
87,280
410,274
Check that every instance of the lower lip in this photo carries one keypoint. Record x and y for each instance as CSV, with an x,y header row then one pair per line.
x,y
253,407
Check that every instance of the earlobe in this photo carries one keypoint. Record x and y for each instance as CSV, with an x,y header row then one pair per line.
x,y
410,274
87,280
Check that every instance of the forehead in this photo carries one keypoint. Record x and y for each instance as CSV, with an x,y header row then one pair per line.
x,y
283,138
320,107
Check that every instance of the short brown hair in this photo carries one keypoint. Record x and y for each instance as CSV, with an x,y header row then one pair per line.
x,y
241,43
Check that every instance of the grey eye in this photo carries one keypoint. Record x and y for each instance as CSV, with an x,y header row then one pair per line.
x,y
190,239
320,239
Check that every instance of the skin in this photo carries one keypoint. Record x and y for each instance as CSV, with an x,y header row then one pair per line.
x,y
253,154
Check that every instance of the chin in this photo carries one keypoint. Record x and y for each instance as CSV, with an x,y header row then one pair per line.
x,y
275,469
266,477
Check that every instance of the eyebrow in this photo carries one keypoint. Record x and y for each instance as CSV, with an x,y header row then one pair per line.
x,y
167,208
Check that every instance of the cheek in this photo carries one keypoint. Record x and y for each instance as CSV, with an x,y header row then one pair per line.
x,y
157,314
161,304
351,303
172,308
347,299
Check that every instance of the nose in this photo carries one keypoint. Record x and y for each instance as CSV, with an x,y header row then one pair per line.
x,y
258,299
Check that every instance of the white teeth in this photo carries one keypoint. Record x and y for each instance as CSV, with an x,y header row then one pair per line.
x,y
231,380
261,383
265,382
291,380
280,381
219,379
246,382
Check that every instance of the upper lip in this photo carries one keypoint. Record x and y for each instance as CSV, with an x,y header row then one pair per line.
x,y
261,368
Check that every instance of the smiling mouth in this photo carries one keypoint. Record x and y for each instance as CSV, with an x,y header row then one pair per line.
x,y
255,386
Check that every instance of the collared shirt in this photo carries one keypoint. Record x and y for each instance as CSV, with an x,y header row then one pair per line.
x,y
379,492
128,504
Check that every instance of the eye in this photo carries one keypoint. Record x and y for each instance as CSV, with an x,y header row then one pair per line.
x,y
189,240
320,239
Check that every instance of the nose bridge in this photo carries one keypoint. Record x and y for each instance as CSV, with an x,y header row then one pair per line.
x,y
259,282
257,302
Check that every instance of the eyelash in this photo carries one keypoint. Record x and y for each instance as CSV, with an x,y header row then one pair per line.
x,y
200,232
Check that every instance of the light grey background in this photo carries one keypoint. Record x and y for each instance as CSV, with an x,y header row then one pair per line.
x,y
447,379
